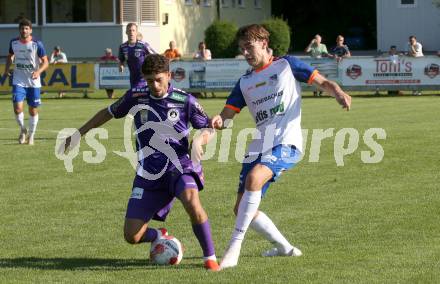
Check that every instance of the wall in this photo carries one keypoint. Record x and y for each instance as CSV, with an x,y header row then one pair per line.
x,y
395,24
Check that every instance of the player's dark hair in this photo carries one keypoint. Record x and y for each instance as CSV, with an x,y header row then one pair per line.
x,y
155,64
252,32
24,23
412,37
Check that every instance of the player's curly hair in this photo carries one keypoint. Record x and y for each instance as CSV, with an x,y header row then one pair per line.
x,y
24,23
252,32
155,64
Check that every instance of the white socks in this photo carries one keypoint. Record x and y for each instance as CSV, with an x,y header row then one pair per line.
x,y
246,211
20,120
33,121
264,226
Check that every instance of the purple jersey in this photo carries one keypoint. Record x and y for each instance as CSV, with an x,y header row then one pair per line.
x,y
134,55
162,126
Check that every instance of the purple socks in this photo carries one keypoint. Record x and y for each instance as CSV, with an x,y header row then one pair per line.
x,y
203,234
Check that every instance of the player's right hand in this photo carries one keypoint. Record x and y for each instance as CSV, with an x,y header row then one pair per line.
x,y
216,122
121,68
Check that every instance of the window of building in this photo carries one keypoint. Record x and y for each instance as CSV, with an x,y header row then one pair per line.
x,y
11,12
240,3
407,3
224,3
233,3
140,11
79,11
188,2
257,4
206,3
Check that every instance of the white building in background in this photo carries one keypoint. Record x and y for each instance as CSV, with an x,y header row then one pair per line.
x,y
85,28
398,19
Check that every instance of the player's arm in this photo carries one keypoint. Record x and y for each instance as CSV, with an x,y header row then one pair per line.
x,y
121,60
203,138
43,66
217,121
332,89
8,64
234,104
97,120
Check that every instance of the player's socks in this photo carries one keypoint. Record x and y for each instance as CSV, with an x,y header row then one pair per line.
x,y
20,120
264,226
33,121
247,209
153,234
204,236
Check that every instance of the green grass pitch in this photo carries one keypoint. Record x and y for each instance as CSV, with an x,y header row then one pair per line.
x,y
370,223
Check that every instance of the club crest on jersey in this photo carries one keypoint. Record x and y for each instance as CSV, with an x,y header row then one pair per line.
x,y
273,80
137,53
173,114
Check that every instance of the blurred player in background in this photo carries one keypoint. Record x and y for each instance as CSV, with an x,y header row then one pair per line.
x,y
272,93
30,60
133,52
165,170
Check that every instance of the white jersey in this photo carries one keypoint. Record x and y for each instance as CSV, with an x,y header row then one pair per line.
x,y
27,60
273,96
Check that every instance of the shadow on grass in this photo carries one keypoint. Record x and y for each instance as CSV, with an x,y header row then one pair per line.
x,y
87,264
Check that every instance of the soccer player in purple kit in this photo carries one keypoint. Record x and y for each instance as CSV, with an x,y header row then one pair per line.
x,y
165,171
30,61
133,52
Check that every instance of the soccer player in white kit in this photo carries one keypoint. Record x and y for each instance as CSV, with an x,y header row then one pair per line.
x,y
30,61
272,92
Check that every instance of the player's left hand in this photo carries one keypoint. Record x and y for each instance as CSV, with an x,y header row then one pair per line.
x,y
344,100
35,75
216,122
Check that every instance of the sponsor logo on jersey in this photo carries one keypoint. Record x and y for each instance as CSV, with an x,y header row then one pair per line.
x,y
178,97
199,108
262,115
260,84
174,105
268,98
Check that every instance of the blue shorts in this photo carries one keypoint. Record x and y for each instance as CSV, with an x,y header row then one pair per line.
x,y
147,204
32,95
279,159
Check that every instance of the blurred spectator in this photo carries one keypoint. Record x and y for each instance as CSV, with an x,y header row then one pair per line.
x,y
438,53
341,50
172,53
203,53
108,57
394,54
316,49
139,36
57,56
394,58
414,48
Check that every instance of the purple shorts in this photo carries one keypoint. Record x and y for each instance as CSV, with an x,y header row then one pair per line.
x,y
147,204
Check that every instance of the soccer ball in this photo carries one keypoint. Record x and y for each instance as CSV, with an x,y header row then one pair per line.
x,y
166,251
